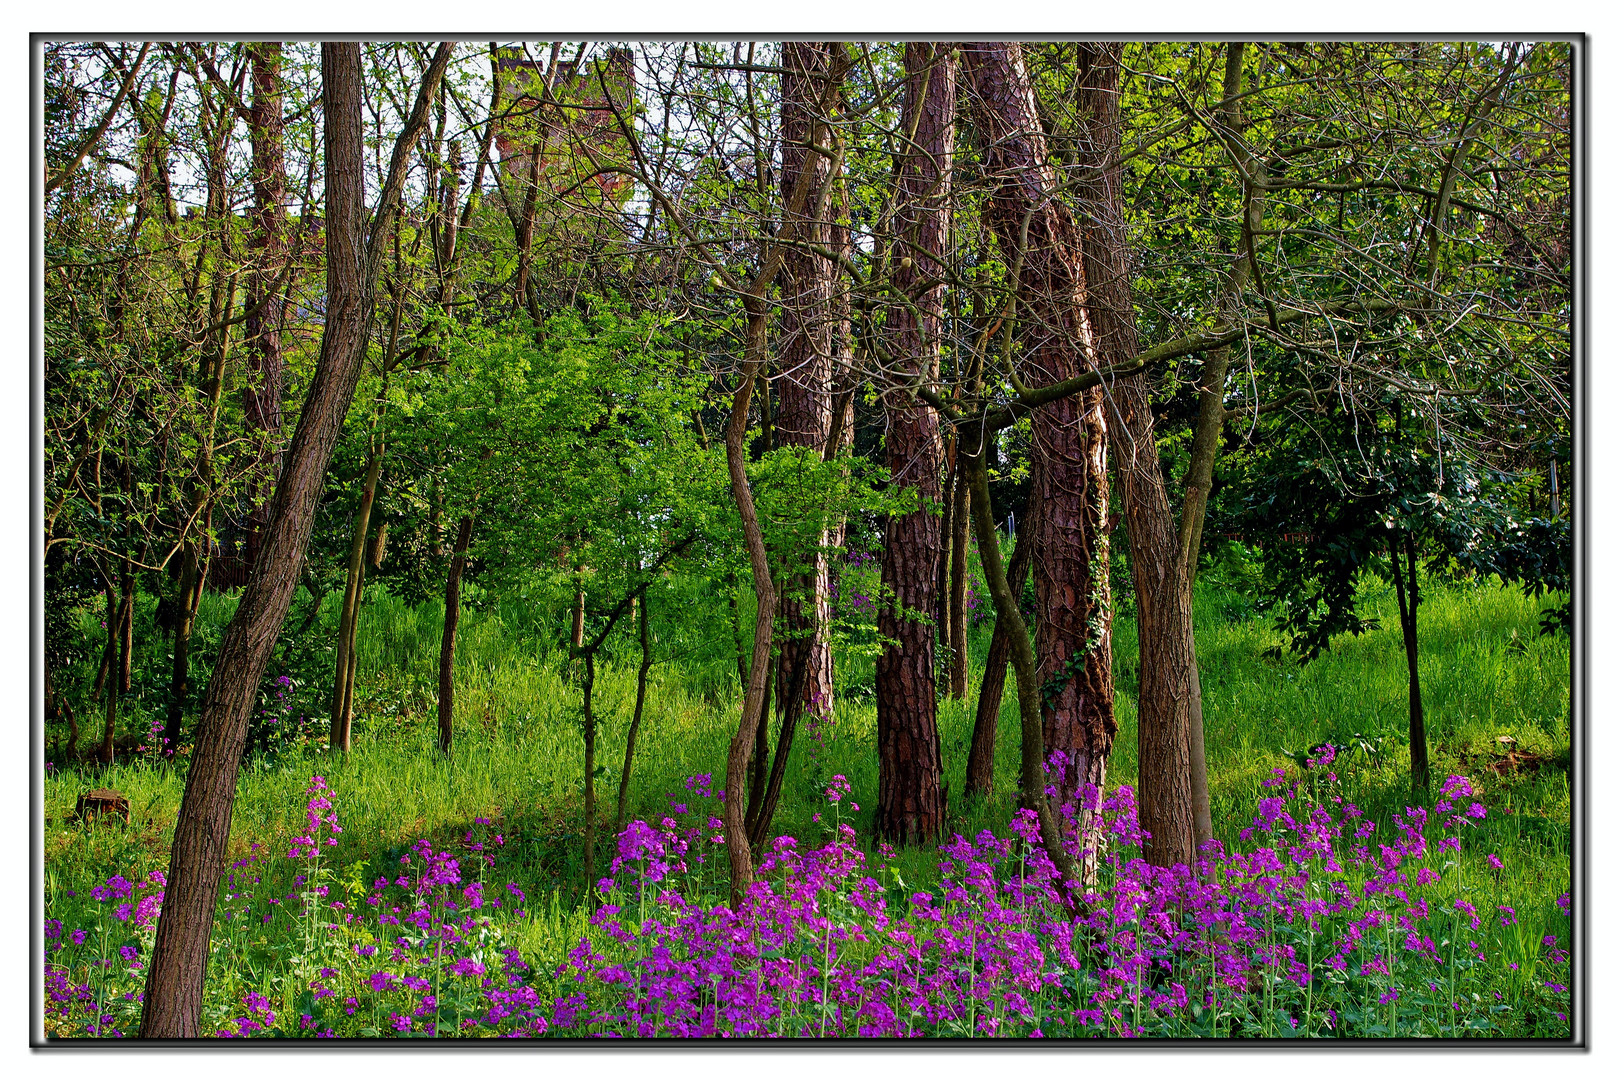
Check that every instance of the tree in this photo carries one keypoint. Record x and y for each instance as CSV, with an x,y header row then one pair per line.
x,y
174,992
1070,554
912,805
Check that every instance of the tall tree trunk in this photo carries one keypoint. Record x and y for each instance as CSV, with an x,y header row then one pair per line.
x,y
173,1002
1070,537
912,805
1211,416
343,672
262,395
448,634
1409,601
1166,637
637,711
978,778
805,363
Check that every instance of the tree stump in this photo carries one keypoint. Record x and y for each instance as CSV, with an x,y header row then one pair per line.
x,y
100,803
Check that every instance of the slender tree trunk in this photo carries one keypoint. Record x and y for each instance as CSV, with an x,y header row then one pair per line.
x,y
180,675
978,778
1167,800
339,728
912,805
1409,601
578,612
589,731
448,635
172,1006
958,631
1025,662
637,712
1070,538
126,628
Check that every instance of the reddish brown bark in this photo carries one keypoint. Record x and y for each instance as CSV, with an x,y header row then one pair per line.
x,y
912,805
1166,640
174,991
805,365
1070,555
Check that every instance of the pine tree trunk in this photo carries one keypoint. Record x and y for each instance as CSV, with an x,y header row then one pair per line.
x,y
173,1001
803,416
1070,552
912,804
1166,636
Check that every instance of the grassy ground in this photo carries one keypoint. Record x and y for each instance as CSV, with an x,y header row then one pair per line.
x,y
1485,673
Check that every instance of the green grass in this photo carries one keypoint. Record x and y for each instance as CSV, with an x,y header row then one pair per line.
x,y
1485,673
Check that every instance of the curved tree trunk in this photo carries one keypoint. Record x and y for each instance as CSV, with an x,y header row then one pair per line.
x,y
173,1002
343,672
1166,637
1025,662
912,805
1070,554
978,778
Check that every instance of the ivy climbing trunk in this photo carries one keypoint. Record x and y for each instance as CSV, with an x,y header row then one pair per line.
x,y
1071,488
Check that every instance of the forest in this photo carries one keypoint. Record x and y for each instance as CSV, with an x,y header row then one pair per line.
x,y
807,540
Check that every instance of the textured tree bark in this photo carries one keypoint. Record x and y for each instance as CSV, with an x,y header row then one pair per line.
x,y
262,395
805,363
912,805
448,635
978,778
1070,537
758,313
343,672
1166,639
173,1001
